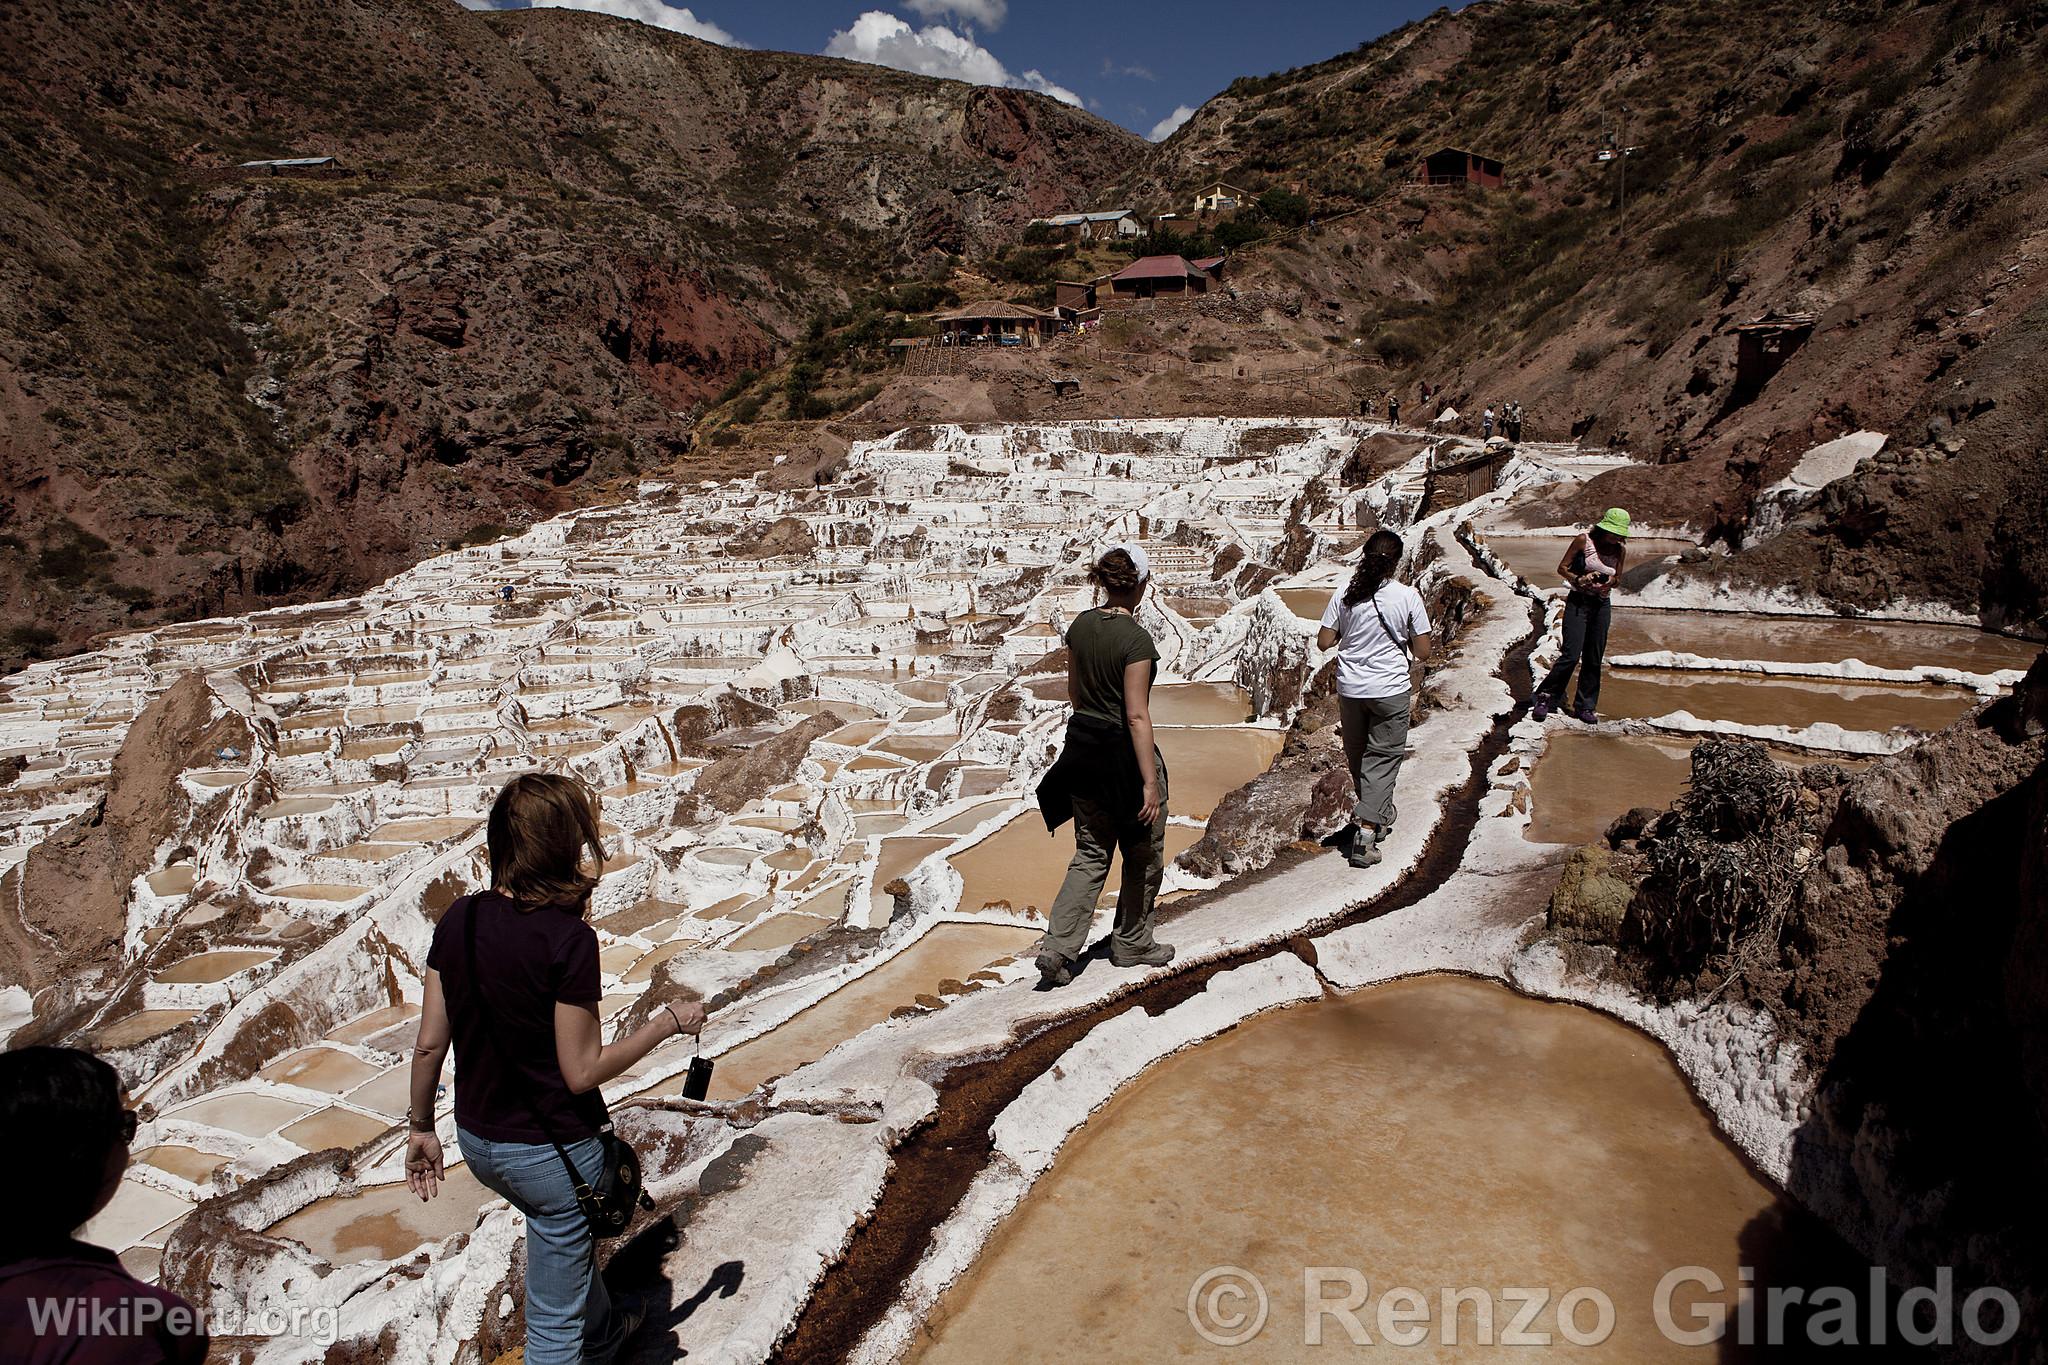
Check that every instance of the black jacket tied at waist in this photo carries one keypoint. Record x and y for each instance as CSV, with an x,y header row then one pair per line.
x,y
1098,764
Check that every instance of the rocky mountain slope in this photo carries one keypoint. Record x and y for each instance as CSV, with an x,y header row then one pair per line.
x,y
557,233
553,234
1881,165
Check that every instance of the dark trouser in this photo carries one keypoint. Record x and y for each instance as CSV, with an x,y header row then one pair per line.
x,y
1375,741
1100,833
1585,643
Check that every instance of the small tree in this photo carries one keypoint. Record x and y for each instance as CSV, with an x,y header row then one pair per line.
x,y
1284,206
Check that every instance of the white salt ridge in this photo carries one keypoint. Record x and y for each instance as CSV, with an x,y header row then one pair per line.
x,y
1849,670
1817,468
1821,735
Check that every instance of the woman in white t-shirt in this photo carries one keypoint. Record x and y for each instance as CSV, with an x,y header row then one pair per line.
x,y
1379,626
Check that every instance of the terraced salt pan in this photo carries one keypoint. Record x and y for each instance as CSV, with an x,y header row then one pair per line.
x,y
1440,1132
219,965
387,1222
947,952
1815,640
1534,558
320,1068
1649,693
1584,780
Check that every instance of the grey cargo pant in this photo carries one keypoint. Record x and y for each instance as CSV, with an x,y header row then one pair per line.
x,y
1375,741
1100,833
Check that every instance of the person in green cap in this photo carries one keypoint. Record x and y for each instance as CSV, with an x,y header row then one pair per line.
x,y
1591,565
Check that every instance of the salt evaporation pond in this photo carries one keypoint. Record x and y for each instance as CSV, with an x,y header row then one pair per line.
x,y
1745,699
1814,640
947,952
1583,781
1437,1132
387,1222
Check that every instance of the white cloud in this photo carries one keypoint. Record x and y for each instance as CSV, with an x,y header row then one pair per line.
x,y
1169,125
935,50
1032,80
989,13
676,18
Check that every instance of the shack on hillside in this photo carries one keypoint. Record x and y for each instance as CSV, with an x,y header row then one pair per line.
x,y
993,320
1763,346
1456,166
1221,198
1073,296
1151,277
293,165
1087,227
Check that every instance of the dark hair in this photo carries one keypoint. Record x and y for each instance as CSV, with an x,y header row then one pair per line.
x,y
542,826
60,1119
1115,572
1605,539
1376,565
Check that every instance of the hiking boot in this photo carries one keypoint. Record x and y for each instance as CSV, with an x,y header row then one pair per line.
x,y
629,1312
1053,970
1365,848
1158,955
1542,706
1584,715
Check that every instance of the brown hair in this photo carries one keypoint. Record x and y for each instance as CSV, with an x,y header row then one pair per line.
x,y
542,826
1115,572
1375,566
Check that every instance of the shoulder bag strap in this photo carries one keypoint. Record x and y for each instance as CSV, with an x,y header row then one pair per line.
x,y
1375,600
483,1009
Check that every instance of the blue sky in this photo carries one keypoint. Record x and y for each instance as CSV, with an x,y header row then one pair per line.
x,y
1139,64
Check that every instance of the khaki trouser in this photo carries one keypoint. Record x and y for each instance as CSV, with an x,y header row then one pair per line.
x,y
1375,741
1098,834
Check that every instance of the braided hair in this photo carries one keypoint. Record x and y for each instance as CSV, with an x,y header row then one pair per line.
x,y
1382,556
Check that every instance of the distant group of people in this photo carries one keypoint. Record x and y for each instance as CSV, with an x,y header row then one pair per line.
x,y
1508,420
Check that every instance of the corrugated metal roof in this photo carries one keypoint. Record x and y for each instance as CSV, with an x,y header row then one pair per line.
x,y
1076,219
1158,268
290,161
1208,264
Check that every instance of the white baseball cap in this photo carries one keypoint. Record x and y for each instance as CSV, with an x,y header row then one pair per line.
x,y
1137,554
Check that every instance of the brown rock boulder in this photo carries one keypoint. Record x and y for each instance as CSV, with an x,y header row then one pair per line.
x,y
71,892
750,774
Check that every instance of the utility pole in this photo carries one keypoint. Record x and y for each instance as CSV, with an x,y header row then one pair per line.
x,y
1619,150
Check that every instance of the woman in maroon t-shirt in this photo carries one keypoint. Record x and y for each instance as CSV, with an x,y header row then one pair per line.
x,y
529,1077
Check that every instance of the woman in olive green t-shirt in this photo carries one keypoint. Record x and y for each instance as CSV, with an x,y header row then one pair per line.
x,y
1111,664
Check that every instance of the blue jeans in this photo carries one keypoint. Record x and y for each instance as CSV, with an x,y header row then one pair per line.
x,y
568,1311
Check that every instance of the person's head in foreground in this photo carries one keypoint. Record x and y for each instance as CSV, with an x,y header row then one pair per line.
x,y
67,1104
543,841
1121,573
64,1133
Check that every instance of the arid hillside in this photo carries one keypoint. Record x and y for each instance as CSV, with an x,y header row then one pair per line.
x,y
552,234
1880,166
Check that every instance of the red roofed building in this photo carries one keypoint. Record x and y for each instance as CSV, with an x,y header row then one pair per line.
x,y
1159,276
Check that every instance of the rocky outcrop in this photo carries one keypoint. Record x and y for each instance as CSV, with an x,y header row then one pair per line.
x,y
68,899
1891,924
750,774
774,540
